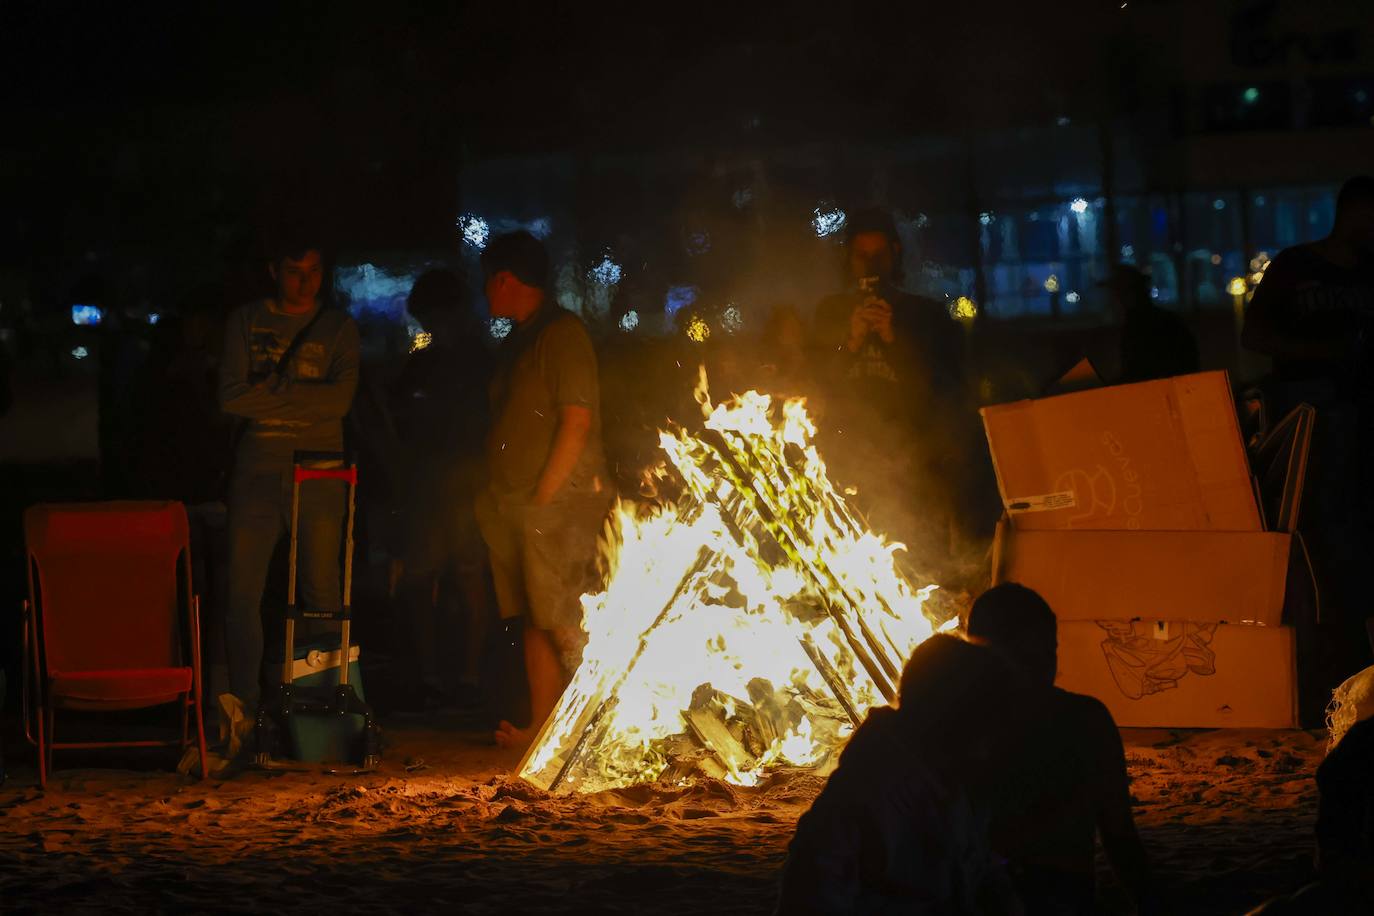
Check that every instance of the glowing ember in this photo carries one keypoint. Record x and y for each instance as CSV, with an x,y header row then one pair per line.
x,y
748,623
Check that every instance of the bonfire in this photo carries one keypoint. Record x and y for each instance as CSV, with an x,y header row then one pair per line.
x,y
749,619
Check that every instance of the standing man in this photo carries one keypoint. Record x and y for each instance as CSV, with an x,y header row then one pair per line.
x,y
289,371
548,491
1313,313
897,424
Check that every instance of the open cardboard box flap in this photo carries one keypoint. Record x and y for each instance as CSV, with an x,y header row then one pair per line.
x,y
1163,455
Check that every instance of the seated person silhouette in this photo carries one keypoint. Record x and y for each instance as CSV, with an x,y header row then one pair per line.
x,y
1073,784
902,824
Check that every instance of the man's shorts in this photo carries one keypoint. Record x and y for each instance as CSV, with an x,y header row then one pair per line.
x,y
543,558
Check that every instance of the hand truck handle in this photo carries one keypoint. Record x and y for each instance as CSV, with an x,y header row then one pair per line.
x,y
348,474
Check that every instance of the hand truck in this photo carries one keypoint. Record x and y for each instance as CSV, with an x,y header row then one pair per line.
x,y
275,713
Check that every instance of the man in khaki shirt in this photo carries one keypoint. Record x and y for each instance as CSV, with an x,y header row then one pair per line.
x,y
548,491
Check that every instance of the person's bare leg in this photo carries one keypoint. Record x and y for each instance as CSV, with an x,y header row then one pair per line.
x,y
545,675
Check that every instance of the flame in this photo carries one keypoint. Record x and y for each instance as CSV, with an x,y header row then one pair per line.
x,y
746,624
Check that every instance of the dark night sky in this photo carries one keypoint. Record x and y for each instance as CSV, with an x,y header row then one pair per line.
x,y
126,119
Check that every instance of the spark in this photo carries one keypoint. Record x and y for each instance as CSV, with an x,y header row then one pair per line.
x,y
1052,284
1072,297
1079,205
80,353
985,218
421,341
500,327
1237,286
629,321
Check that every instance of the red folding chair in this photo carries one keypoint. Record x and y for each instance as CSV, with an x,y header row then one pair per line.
x,y
110,619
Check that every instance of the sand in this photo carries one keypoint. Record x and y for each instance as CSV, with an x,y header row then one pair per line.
x,y
1227,816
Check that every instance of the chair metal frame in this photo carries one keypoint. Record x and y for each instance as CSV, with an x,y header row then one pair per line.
x,y
40,713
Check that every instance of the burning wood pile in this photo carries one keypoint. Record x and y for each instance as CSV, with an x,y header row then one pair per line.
x,y
748,623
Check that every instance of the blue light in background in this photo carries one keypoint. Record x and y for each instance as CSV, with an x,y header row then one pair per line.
x,y
87,315
732,320
374,291
698,243
474,230
679,297
607,273
827,221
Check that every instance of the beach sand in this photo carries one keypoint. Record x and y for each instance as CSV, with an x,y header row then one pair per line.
x,y
1226,815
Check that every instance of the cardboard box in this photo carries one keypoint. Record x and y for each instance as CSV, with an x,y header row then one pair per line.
x,y
1182,674
1163,455
1233,576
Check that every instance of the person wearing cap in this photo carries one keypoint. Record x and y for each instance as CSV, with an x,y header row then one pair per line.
x,y
548,491
1155,343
